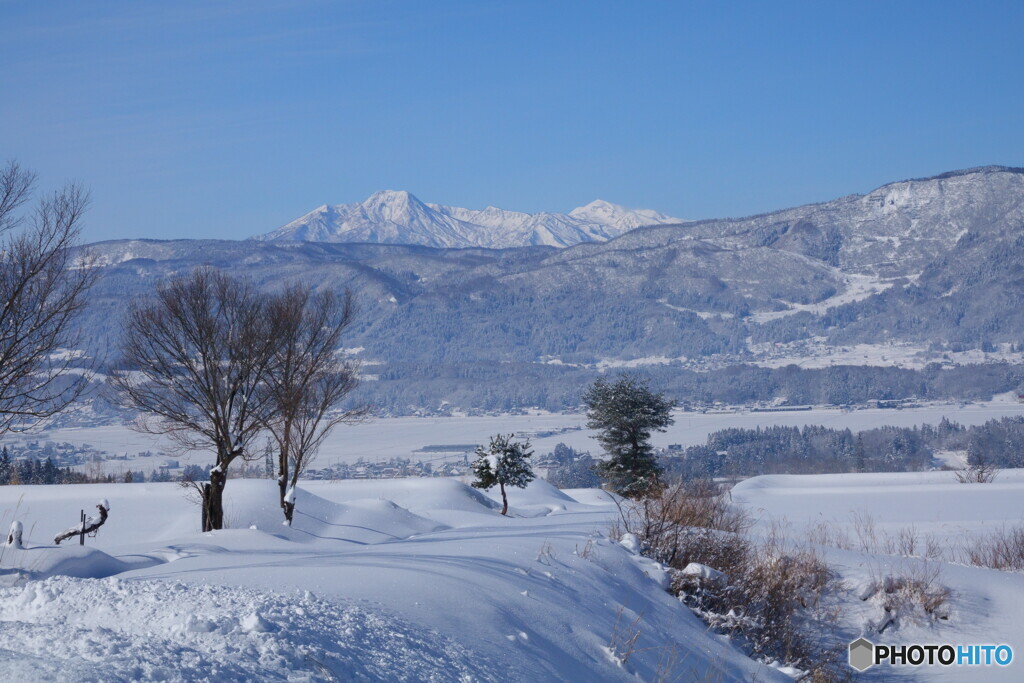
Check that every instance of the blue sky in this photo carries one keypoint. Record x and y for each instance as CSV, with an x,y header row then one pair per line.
x,y
226,119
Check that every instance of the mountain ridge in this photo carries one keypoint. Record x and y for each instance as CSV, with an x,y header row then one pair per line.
x,y
931,263
399,217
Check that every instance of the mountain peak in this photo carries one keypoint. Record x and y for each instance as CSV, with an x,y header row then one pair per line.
x,y
399,217
390,197
620,217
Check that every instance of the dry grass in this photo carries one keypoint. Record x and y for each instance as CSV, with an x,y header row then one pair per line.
x,y
868,538
1001,549
770,599
625,633
978,473
665,525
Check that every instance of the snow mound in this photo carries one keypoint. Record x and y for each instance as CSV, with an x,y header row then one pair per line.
x,y
18,566
253,504
590,496
447,501
72,629
539,498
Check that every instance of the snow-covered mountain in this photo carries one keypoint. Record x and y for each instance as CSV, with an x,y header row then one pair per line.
x,y
934,265
398,217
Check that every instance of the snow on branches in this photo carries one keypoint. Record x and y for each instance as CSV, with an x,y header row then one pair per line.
x,y
503,462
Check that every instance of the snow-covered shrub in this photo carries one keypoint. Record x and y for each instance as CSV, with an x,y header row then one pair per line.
x,y
913,593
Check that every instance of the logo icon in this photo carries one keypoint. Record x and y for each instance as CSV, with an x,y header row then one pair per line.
x,y
862,654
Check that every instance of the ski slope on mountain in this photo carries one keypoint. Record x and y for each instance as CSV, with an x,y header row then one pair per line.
x,y
377,580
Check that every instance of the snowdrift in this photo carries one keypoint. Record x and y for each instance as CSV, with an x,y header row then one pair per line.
x,y
416,579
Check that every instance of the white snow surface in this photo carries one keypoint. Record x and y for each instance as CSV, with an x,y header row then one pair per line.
x,y
984,605
417,580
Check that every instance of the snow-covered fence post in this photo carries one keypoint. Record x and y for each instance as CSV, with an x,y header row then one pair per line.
x,y
14,537
88,525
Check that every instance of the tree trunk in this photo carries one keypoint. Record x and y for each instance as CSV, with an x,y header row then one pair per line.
x,y
504,498
213,500
289,506
282,484
282,469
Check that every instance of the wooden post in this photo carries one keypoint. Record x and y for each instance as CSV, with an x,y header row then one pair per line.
x,y
85,526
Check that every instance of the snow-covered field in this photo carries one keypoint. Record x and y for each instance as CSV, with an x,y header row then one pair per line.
x,y
422,579
392,580
385,438
873,516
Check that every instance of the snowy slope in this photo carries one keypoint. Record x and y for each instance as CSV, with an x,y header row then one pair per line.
x,y
385,580
398,217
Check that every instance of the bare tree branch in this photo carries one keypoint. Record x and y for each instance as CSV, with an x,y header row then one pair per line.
x,y
309,379
196,358
43,286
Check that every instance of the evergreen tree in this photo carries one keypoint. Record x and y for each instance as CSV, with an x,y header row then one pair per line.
x,y
504,462
48,472
5,467
625,412
859,458
579,473
27,471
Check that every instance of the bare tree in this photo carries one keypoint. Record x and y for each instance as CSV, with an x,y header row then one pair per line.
x,y
195,358
308,381
43,287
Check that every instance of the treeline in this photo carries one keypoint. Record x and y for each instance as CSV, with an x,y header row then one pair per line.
x,y
402,389
807,450
574,469
820,450
32,471
814,449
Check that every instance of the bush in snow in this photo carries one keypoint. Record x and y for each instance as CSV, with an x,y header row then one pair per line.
x,y
912,594
767,595
1000,549
503,463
